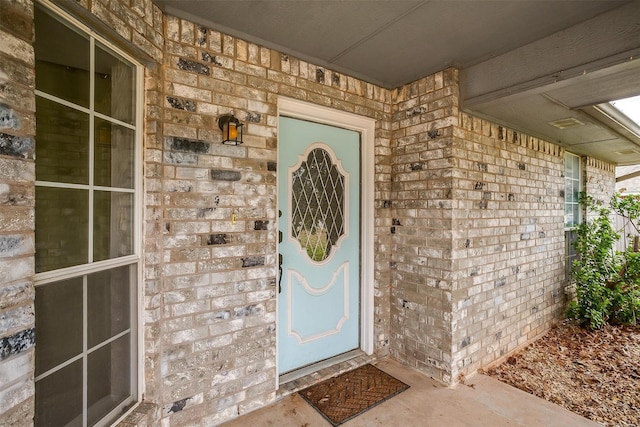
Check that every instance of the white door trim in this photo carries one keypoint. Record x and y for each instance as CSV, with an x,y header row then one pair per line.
x,y
366,127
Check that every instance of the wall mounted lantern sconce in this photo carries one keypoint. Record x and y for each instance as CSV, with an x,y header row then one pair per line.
x,y
231,129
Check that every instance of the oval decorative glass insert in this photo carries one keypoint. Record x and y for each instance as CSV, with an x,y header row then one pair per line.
x,y
318,204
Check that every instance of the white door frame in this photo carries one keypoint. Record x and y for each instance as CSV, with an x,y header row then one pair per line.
x,y
366,127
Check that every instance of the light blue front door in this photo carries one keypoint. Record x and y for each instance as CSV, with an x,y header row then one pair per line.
x,y
319,201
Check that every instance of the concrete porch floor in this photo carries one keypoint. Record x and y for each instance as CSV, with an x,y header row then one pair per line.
x,y
428,403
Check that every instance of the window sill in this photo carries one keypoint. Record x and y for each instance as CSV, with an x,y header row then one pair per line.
x,y
141,415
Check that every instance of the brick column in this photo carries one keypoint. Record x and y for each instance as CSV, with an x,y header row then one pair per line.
x,y
17,185
425,116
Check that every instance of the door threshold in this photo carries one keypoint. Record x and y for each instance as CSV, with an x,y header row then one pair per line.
x,y
306,376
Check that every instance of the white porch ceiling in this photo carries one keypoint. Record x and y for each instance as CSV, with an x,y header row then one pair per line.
x,y
524,63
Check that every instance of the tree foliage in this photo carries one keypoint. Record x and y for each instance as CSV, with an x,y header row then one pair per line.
x,y
607,280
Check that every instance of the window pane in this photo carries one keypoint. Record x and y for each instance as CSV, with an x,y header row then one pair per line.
x,y
113,225
62,60
568,165
62,143
59,397
115,84
109,377
568,191
576,191
576,214
568,216
108,299
114,155
61,228
576,167
570,251
58,323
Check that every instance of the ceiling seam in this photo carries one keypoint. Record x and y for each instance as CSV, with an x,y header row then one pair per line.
x,y
377,31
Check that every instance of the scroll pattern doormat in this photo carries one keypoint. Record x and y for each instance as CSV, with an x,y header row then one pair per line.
x,y
341,398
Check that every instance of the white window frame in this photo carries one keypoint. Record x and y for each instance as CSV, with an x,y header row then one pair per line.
x,y
138,208
568,230
579,180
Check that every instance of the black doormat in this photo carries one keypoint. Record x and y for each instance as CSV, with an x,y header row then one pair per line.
x,y
348,395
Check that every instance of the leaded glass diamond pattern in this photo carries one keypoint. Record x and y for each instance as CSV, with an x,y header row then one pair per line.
x,y
318,204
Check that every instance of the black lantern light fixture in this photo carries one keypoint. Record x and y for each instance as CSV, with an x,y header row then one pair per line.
x,y
231,129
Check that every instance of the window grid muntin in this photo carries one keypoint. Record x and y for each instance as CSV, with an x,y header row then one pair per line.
x,y
53,184
79,270
84,109
79,356
85,356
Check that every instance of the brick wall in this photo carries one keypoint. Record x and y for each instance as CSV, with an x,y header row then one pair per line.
x,y
599,178
153,226
17,170
508,242
477,232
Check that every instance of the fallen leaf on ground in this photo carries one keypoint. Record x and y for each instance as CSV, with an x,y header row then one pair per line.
x,y
591,373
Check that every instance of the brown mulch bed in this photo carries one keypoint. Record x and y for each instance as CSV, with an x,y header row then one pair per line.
x,y
595,374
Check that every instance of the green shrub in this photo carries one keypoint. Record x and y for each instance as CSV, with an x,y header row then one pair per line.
x,y
607,281
315,244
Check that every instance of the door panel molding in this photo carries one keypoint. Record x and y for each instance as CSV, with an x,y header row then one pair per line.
x,y
343,271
